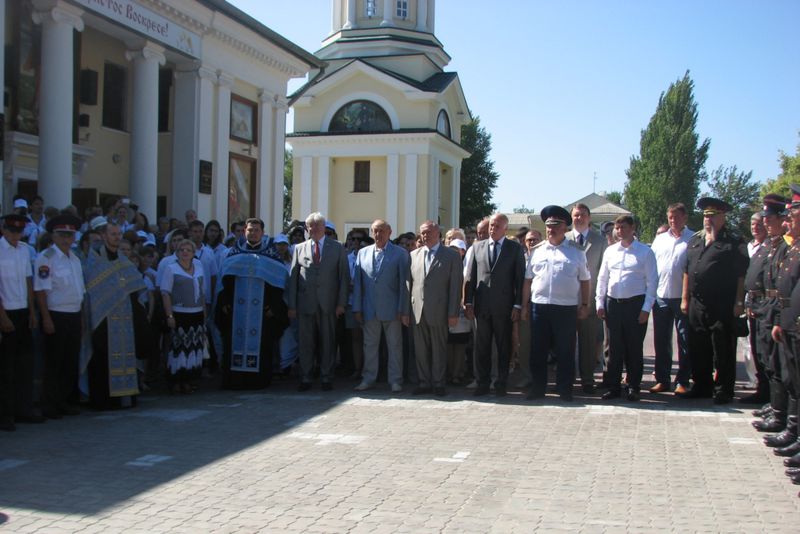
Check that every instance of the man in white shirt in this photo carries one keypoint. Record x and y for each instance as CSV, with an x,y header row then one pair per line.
x,y
17,318
626,291
670,250
59,289
557,285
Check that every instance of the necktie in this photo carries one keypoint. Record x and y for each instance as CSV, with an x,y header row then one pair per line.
x,y
316,252
428,259
378,259
580,239
495,252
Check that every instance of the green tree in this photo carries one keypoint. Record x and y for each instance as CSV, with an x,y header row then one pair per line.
x,y
478,177
615,197
737,189
287,186
790,174
669,167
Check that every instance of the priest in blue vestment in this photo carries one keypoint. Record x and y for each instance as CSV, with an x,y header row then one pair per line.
x,y
250,310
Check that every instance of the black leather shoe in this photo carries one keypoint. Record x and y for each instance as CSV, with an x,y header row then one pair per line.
x,y
764,411
480,391
783,439
794,461
499,391
440,392
696,393
633,395
304,386
327,386
422,390
610,394
722,398
535,394
789,450
759,397
792,471
795,480
771,424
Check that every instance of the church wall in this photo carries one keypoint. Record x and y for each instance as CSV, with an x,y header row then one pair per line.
x,y
347,207
102,172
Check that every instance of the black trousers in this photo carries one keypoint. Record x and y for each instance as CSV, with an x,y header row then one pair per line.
x,y
16,368
497,328
62,354
759,353
625,341
712,345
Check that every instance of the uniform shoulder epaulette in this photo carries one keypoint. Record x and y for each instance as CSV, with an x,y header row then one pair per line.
x,y
539,244
49,253
699,233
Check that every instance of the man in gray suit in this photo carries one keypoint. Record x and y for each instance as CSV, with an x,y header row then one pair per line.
x,y
317,295
493,294
590,341
436,280
381,304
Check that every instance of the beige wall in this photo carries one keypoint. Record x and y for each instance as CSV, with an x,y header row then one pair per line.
x,y
345,206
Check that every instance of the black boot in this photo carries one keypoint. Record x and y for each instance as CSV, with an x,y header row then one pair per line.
x,y
763,412
760,395
792,471
790,450
794,461
789,435
777,420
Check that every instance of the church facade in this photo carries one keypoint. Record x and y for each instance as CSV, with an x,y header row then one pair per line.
x,y
377,131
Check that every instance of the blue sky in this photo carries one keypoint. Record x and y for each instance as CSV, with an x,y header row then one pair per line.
x,y
565,88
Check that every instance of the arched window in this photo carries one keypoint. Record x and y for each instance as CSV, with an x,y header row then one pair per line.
x,y
360,116
443,124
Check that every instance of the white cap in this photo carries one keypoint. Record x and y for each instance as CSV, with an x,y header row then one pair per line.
x,y
459,243
20,203
98,222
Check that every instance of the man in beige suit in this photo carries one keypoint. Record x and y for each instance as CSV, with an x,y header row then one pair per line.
x,y
318,286
436,279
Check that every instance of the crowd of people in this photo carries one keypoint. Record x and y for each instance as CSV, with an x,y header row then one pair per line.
x,y
113,306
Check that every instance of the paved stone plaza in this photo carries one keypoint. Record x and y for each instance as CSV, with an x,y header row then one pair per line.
x,y
278,461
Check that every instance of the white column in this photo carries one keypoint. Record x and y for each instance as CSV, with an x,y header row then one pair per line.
x,y
304,186
58,20
207,77
351,16
323,185
392,179
144,127
422,15
220,185
433,188
455,203
185,152
388,12
410,222
281,108
265,187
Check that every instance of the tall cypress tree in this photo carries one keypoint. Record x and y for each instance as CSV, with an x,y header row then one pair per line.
x,y
671,158
478,177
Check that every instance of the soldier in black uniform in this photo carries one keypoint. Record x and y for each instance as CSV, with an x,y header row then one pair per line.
x,y
774,413
783,321
753,301
713,296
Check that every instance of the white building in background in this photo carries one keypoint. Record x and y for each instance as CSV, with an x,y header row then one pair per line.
x,y
176,104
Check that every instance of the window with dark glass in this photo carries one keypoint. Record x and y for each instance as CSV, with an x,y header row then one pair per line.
x,y
164,85
361,177
114,96
402,9
360,116
443,123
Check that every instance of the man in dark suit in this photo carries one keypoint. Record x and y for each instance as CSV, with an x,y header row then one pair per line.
x,y
318,285
590,340
493,294
380,304
436,281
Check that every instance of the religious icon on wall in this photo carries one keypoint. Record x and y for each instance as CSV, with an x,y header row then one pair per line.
x,y
241,188
243,119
